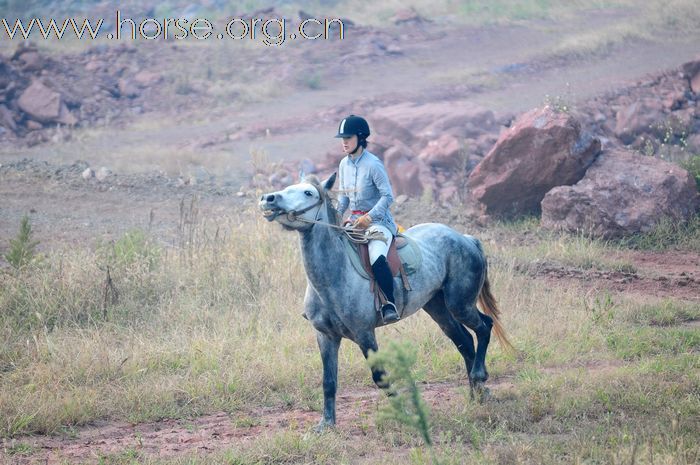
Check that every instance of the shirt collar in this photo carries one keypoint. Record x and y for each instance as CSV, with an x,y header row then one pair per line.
x,y
357,160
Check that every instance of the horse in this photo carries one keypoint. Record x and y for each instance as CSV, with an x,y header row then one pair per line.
x,y
453,276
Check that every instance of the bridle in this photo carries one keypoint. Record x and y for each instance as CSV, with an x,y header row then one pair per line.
x,y
356,235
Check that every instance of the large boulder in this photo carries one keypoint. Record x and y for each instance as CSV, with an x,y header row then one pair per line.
x,y
430,120
542,150
691,72
7,119
622,193
40,102
443,152
406,177
404,171
640,117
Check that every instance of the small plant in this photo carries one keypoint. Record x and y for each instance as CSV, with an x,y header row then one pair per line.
x,y
561,103
692,166
668,233
134,246
312,81
22,247
21,448
602,309
183,86
406,406
427,196
672,134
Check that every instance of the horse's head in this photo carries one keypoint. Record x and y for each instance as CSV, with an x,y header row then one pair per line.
x,y
295,206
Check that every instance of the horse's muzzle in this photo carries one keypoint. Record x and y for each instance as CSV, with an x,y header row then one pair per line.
x,y
268,206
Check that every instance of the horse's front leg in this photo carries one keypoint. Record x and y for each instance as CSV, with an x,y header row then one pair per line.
x,y
328,345
368,343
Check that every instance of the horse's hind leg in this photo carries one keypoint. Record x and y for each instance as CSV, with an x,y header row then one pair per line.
x,y
453,329
460,298
481,325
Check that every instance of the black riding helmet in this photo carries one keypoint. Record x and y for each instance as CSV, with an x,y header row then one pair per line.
x,y
354,126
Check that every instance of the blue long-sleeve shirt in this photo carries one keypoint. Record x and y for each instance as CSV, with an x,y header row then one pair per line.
x,y
364,185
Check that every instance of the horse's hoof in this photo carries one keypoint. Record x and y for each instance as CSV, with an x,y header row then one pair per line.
x,y
479,392
323,426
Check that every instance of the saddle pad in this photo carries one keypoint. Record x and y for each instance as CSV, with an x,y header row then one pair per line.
x,y
409,253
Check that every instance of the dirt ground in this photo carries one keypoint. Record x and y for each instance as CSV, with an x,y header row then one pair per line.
x,y
217,431
45,182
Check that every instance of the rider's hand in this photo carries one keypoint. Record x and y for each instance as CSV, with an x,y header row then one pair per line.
x,y
363,222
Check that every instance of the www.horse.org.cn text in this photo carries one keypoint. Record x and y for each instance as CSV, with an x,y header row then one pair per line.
x,y
269,31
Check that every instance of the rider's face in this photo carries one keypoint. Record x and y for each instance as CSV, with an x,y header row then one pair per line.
x,y
349,143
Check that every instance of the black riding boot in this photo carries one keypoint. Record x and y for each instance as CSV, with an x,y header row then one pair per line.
x,y
382,274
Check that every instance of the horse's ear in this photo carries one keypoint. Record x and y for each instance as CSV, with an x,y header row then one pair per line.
x,y
301,175
328,183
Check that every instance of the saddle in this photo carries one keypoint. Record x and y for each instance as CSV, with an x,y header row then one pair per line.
x,y
392,257
404,258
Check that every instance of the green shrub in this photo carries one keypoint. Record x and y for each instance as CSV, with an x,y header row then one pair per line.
x,y
406,406
133,247
22,247
692,165
668,233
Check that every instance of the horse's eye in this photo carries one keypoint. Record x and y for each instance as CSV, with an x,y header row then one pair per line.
x,y
308,193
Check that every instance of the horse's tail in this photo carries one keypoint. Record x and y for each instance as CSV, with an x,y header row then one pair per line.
x,y
488,305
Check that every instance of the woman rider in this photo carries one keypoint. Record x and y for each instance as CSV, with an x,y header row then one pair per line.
x,y
365,188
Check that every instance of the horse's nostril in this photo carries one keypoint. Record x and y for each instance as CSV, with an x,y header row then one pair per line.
x,y
271,198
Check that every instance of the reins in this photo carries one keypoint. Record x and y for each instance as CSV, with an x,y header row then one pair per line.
x,y
358,236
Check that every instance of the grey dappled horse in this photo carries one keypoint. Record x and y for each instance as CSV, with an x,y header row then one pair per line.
x,y
452,277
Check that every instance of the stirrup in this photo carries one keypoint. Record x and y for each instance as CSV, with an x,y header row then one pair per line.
x,y
390,309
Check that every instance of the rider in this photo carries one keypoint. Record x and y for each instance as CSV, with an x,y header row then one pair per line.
x,y
365,188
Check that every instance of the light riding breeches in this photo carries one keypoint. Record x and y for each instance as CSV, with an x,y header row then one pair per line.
x,y
377,247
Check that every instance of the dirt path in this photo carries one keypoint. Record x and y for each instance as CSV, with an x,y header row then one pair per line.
x,y
355,408
661,274
436,62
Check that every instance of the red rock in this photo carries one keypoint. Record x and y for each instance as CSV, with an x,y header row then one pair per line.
x,y
93,65
33,125
408,15
405,177
408,121
447,194
674,100
6,118
147,78
691,71
445,152
31,60
40,102
542,149
379,143
645,116
127,88
485,143
695,84
693,143
396,152
622,193
66,117
387,127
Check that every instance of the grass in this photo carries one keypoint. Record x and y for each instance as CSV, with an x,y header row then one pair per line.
x,y
692,165
214,326
524,244
648,21
668,234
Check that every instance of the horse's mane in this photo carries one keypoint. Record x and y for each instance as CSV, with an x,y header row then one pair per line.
x,y
332,213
